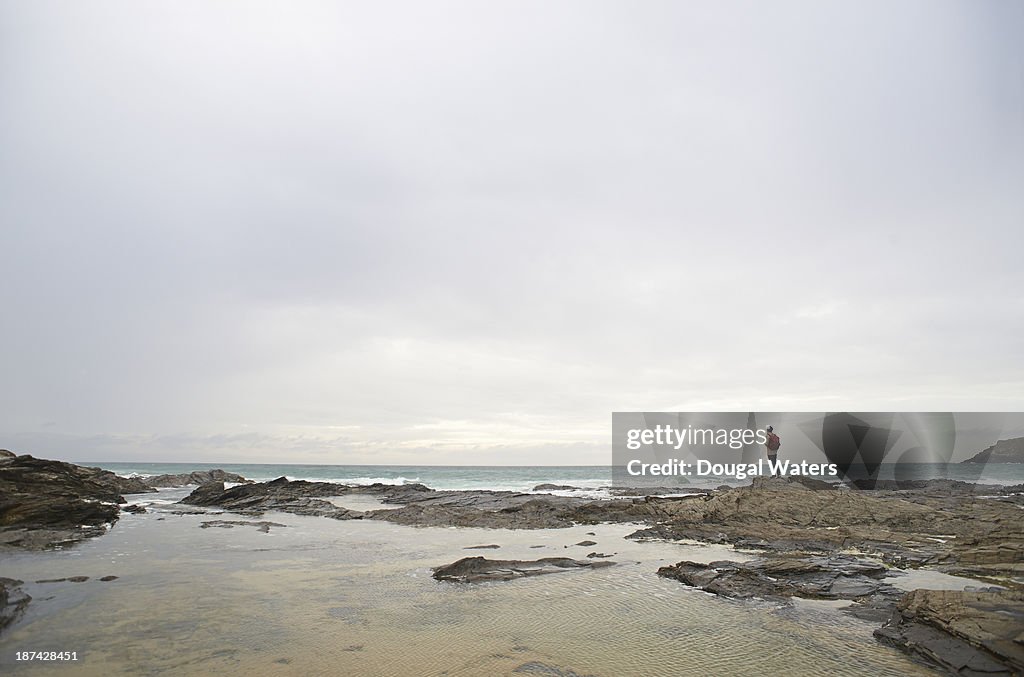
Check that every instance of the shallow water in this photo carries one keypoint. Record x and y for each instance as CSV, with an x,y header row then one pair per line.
x,y
323,597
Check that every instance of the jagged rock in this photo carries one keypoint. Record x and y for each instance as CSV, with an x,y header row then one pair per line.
x,y
13,601
206,494
555,487
128,485
1003,451
5,453
962,632
197,477
135,508
477,569
45,503
280,494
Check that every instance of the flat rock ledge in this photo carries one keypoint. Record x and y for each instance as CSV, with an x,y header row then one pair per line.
x,y
230,524
779,578
479,569
969,633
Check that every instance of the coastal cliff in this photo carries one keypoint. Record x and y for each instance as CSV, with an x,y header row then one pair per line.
x,y
1003,451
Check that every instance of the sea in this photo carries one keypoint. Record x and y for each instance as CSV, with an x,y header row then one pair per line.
x,y
587,481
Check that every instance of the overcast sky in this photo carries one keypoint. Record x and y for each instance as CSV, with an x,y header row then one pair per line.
x,y
465,232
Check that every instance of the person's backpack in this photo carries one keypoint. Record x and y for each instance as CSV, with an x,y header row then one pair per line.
x,y
773,442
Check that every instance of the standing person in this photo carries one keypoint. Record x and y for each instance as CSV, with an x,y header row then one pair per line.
x,y
772,446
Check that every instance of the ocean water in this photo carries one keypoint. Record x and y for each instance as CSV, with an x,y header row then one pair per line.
x,y
510,478
591,481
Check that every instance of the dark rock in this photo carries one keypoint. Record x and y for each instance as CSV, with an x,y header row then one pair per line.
x,y
52,580
197,477
77,579
482,547
229,524
135,508
1003,451
587,544
395,492
555,487
129,485
597,554
13,601
476,569
961,632
280,494
206,494
45,503
4,453
779,578
107,579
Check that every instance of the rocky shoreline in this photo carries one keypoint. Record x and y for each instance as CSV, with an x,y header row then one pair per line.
x,y
815,539
45,504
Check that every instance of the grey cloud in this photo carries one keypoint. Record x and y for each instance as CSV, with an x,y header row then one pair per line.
x,y
515,214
